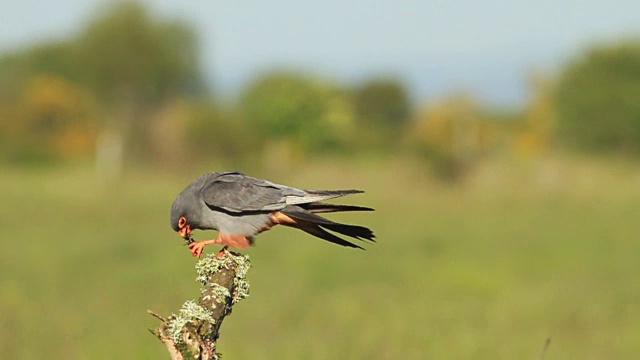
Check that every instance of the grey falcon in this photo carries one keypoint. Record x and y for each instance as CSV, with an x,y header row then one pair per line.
x,y
241,206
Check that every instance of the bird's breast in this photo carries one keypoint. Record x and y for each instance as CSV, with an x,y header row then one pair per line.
x,y
245,224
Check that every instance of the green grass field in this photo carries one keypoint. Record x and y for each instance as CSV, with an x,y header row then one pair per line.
x,y
487,269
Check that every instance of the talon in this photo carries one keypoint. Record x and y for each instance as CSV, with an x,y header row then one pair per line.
x,y
197,247
221,252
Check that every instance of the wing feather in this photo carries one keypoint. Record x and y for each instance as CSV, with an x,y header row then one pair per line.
x,y
236,192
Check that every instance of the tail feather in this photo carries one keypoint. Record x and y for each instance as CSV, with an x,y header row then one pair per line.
x,y
312,196
314,224
317,231
319,207
355,231
334,193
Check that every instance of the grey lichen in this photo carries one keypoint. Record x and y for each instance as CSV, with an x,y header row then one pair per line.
x,y
227,260
241,289
194,332
189,313
220,292
240,292
207,266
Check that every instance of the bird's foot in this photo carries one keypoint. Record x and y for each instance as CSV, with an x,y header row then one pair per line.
x,y
221,252
197,247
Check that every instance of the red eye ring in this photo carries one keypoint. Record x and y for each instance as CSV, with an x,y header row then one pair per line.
x,y
182,222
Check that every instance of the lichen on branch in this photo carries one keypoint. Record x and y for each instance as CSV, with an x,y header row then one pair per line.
x,y
189,313
194,331
210,265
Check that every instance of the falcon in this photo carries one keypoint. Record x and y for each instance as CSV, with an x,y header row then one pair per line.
x,y
240,207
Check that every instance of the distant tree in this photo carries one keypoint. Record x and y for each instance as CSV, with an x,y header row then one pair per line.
x,y
219,134
311,113
382,102
598,99
450,134
135,63
41,110
18,73
533,130
50,118
125,53
54,57
129,61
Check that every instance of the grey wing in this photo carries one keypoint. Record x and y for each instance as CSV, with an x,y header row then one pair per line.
x,y
236,192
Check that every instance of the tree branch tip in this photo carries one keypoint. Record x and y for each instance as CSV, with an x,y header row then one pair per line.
x,y
156,315
155,333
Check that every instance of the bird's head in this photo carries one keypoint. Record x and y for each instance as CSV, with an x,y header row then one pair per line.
x,y
184,229
183,216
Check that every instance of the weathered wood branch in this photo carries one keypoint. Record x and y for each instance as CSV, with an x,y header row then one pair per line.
x,y
194,332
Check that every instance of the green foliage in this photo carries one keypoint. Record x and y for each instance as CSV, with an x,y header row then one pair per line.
x,y
382,102
37,102
123,53
49,118
283,104
598,99
55,57
129,54
220,135
311,112
451,134
127,61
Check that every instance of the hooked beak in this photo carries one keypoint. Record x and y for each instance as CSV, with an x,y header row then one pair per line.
x,y
185,232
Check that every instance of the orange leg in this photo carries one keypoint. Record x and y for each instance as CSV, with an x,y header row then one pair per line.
x,y
233,240
222,251
198,246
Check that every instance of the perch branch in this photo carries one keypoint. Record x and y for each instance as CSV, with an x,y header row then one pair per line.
x,y
194,332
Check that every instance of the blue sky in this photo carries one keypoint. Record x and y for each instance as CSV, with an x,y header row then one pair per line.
x,y
486,47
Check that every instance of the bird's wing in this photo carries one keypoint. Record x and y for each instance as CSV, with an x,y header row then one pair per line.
x,y
236,192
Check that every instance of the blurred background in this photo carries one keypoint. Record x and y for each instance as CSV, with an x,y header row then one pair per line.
x,y
499,143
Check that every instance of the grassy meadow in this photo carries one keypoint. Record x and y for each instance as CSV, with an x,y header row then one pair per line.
x,y
485,269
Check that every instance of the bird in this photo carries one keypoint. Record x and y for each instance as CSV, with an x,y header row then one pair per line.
x,y
240,207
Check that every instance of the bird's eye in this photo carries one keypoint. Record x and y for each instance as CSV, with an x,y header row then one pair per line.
x,y
182,222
